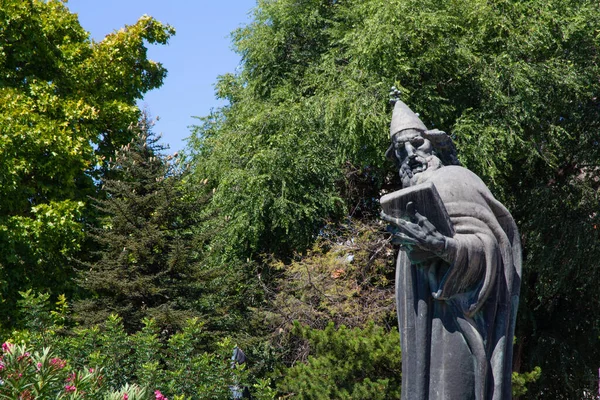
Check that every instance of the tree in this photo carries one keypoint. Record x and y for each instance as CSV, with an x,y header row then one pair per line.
x,y
155,255
515,82
65,103
346,278
147,259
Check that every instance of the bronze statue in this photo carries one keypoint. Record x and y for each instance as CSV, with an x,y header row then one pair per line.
x,y
458,271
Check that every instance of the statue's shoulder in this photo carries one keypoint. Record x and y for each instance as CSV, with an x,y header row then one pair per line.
x,y
457,173
455,182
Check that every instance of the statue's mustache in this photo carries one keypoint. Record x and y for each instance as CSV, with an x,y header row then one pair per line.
x,y
416,162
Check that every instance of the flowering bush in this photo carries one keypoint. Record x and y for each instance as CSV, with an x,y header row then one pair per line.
x,y
141,366
159,395
40,375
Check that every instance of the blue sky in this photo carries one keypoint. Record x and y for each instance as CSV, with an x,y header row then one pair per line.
x,y
194,57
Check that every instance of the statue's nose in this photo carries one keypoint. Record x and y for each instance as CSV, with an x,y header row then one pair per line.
x,y
410,150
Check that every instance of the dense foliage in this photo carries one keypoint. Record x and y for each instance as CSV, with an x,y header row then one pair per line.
x,y
65,103
514,82
345,278
347,364
146,258
154,256
104,362
275,220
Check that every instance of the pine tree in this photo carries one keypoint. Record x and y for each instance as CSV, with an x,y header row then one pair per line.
x,y
146,260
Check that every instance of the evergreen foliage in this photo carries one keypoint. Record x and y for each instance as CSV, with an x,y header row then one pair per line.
x,y
156,257
147,261
346,364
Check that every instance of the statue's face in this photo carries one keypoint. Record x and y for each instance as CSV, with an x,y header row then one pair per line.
x,y
415,155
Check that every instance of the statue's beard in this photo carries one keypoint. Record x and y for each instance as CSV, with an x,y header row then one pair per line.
x,y
411,171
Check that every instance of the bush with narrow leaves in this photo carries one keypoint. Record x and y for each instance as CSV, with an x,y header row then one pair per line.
x,y
27,374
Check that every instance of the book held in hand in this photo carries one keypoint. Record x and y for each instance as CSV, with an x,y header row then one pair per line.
x,y
427,202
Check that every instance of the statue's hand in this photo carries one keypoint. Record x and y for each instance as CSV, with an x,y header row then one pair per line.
x,y
417,233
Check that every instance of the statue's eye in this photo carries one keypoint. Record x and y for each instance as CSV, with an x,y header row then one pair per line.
x,y
400,151
417,141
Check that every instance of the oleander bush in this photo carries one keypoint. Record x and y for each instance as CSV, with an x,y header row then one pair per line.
x,y
40,374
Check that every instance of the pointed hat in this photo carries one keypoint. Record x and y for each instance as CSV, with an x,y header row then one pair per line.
x,y
404,118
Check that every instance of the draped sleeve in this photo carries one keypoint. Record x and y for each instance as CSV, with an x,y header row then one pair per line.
x,y
474,255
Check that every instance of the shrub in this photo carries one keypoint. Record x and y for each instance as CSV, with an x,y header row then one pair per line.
x,y
105,362
346,364
27,374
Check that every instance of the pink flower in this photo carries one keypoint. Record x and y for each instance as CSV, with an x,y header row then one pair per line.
x,y
70,388
125,396
39,366
72,376
6,347
159,395
58,363
2,366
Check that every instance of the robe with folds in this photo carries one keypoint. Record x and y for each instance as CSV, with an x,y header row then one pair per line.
x,y
457,312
